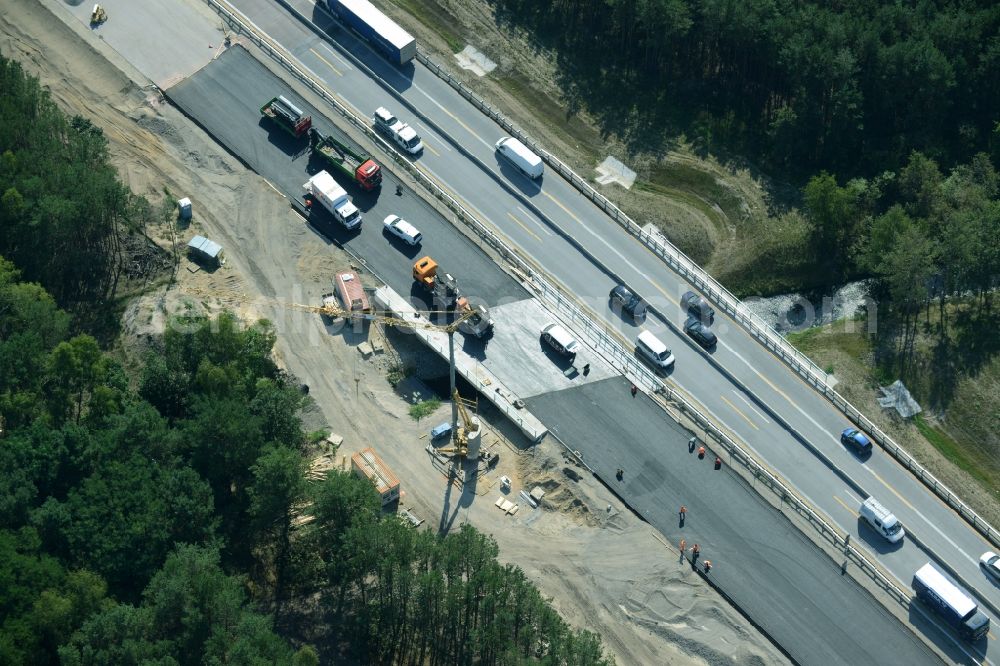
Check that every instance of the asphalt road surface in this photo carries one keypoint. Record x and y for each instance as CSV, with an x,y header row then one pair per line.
x,y
776,576
745,388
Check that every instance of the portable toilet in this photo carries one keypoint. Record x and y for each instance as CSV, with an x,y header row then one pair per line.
x,y
184,208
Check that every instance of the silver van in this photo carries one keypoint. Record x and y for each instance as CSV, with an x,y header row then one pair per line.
x,y
882,520
653,350
520,156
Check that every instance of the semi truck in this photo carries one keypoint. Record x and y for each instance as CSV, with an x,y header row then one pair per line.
x,y
362,168
323,188
287,116
375,27
950,602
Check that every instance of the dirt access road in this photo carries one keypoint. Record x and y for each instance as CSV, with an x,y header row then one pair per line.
x,y
604,570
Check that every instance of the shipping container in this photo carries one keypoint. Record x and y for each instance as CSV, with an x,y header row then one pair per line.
x,y
375,27
950,602
367,464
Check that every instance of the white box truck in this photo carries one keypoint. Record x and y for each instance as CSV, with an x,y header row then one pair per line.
x,y
520,156
323,188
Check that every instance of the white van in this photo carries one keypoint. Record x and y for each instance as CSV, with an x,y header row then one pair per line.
x,y
520,156
653,350
881,520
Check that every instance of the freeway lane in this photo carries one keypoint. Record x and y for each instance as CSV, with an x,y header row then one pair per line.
x,y
778,577
761,561
776,393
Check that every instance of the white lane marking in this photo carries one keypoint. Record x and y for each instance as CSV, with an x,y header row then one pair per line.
x,y
749,404
425,131
452,116
932,525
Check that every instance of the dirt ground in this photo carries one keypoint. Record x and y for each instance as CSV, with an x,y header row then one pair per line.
x,y
603,568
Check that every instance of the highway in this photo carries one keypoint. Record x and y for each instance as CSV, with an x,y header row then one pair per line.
x,y
764,565
746,389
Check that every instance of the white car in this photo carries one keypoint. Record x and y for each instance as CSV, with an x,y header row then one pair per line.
x,y
990,561
405,136
559,339
402,230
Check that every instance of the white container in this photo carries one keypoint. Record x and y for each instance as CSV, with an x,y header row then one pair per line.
x,y
520,156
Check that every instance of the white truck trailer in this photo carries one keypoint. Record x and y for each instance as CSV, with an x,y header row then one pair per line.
x,y
324,189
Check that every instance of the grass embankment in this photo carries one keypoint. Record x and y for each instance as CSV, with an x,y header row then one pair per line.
x,y
964,430
715,214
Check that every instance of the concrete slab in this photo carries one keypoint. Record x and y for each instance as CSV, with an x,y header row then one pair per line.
x,y
614,171
166,41
475,61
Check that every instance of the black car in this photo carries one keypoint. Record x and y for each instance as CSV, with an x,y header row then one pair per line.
x,y
624,300
700,333
697,307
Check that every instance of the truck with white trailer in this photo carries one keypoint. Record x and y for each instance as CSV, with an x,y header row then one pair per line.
x,y
376,28
951,603
323,188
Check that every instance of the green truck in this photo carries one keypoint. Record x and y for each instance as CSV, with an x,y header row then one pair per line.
x,y
361,168
287,116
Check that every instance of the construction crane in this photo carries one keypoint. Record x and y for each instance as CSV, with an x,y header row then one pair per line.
x,y
331,309
461,434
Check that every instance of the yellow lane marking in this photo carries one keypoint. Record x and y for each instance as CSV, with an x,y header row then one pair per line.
x,y
524,226
328,63
662,290
560,204
737,410
841,502
894,492
459,121
428,147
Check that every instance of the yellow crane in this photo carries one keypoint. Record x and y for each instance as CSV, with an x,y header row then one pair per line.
x,y
460,435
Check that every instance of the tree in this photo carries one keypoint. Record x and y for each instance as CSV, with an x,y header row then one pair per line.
x,y
832,211
278,488
907,271
191,612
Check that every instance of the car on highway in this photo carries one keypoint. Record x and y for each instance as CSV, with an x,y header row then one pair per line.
x,y
857,440
402,134
651,349
990,562
559,339
402,230
700,333
696,306
624,301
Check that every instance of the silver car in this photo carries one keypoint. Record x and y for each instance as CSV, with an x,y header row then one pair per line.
x,y
990,561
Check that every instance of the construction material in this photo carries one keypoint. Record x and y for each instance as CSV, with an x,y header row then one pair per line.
x,y
287,116
362,168
97,16
323,188
367,464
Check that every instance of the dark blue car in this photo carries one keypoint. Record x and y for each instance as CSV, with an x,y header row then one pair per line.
x,y
857,440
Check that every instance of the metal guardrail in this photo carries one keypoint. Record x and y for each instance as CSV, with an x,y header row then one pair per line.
x,y
722,297
600,338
